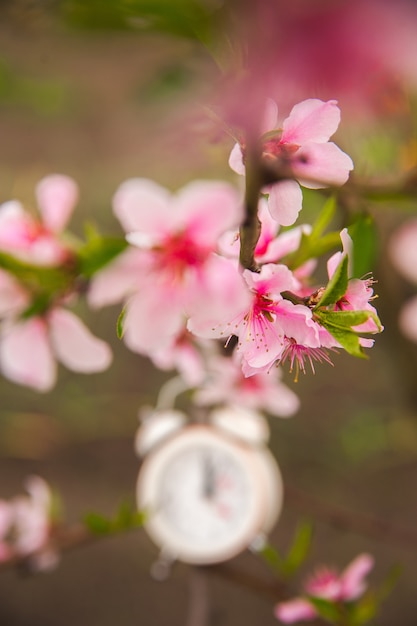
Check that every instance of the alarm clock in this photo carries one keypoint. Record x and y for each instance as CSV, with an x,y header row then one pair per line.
x,y
207,490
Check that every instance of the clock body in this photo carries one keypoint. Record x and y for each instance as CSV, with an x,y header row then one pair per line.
x,y
206,496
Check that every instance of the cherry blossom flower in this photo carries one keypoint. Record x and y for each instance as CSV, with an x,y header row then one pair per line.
x,y
358,294
328,585
226,384
29,348
268,323
175,270
25,526
303,148
39,241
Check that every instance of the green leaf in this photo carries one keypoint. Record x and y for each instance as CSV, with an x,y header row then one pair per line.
x,y
98,524
324,218
364,237
97,252
311,248
363,610
337,285
120,323
273,558
343,319
300,547
286,566
338,324
326,609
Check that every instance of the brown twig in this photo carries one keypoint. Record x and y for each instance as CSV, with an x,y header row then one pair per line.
x,y
345,520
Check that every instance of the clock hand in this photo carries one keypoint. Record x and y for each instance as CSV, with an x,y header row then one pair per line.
x,y
209,476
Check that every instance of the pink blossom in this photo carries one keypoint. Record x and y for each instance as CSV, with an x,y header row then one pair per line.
x,y
358,294
403,250
328,585
38,240
226,384
30,347
303,146
25,526
266,324
175,270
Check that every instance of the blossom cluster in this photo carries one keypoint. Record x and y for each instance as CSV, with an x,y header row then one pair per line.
x,y
328,585
180,278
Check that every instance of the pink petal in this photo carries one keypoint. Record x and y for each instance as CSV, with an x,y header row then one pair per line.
x,y
403,250
205,209
13,299
118,280
218,295
280,400
352,577
270,120
236,160
153,318
140,204
25,355
75,346
311,120
57,196
285,201
295,611
408,319
318,165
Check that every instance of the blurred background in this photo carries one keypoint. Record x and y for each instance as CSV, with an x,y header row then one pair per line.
x,y
103,91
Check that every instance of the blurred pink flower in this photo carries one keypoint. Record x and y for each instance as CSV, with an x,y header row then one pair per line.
x,y
361,52
403,254
174,272
226,384
327,584
303,147
29,348
25,526
38,241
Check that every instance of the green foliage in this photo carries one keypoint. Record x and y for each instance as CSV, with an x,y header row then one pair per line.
x,y
98,251
41,96
185,18
126,518
287,565
364,237
328,610
120,324
337,285
317,242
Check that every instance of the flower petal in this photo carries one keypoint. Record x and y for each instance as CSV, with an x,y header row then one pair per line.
x,y
75,346
311,120
352,577
236,160
318,165
408,319
270,120
206,209
141,204
56,196
117,280
403,250
295,611
26,356
285,201
153,319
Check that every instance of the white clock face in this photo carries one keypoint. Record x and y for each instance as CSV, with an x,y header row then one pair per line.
x,y
205,496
